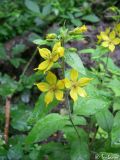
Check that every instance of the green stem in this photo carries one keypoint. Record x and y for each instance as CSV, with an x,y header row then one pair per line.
x,y
25,69
27,65
67,101
70,115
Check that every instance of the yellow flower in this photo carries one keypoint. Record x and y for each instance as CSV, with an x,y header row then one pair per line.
x,y
76,86
58,49
51,36
53,87
50,57
101,36
110,41
79,30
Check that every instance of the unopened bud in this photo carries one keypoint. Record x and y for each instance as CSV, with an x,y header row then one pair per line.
x,y
51,36
78,30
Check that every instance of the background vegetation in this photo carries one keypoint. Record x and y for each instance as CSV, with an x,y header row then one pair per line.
x,y
37,132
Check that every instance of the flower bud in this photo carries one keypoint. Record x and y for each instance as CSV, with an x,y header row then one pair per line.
x,y
78,30
51,36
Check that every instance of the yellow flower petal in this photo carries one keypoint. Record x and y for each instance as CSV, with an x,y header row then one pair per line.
x,y
56,46
116,41
49,97
112,35
51,78
55,57
43,65
74,75
81,92
43,86
104,36
49,66
67,83
105,44
83,28
59,95
60,84
111,47
60,51
84,81
45,53
73,94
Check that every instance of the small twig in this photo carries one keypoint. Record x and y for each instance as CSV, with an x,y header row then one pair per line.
x,y
7,118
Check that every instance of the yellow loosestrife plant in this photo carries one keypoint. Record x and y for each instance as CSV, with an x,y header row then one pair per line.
x,y
53,87
110,38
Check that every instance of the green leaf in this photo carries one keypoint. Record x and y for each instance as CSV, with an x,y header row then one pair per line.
x,y
5,87
91,18
40,42
45,127
89,106
33,36
105,120
28,82
79,151
15,152
89,50
78,147
114,84
74,61
96,53
34,154
115,133
40,109
3,153
19,48
17,61
78,120
111,67
76,22
116,104
46,10
19,117
32,5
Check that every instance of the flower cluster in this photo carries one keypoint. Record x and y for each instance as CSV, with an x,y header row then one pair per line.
x,y
110,38
55,88
50,57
